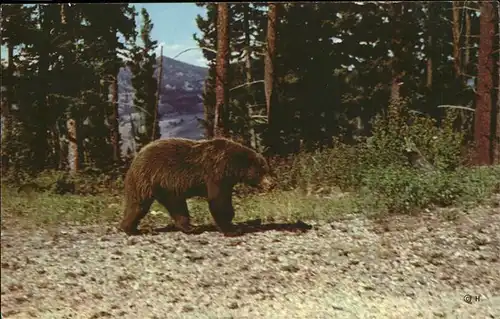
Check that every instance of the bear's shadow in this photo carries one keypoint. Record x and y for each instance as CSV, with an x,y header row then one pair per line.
x,y
248,227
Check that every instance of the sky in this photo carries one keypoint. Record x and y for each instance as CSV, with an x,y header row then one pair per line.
x,y
173,27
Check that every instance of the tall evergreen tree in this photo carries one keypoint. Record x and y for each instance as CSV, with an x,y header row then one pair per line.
x,y
107,21
144,63
14,32
208,44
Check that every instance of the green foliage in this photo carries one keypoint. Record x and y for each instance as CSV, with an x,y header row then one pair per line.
x,y
247,23
334,75
402,190
400,131
64,58
316,82
381,174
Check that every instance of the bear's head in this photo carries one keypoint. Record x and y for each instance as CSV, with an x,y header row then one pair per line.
x,y
237,163
256,171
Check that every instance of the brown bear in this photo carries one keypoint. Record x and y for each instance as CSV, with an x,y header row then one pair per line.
x,y
175,169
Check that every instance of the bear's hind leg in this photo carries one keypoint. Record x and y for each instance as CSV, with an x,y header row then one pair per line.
x,y
134,212
178,210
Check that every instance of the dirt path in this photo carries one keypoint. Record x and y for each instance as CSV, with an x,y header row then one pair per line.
x,y
355,268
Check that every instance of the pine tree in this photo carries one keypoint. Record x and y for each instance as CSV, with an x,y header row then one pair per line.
x,y
13,29
144,62
247,101
107,21
208,45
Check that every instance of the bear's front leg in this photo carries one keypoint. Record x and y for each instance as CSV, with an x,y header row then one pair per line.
x,y
134,212
221,207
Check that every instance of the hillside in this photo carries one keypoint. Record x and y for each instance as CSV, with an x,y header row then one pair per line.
x,y
180,101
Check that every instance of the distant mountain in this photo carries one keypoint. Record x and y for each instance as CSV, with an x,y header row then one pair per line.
x,y
180,106
182,86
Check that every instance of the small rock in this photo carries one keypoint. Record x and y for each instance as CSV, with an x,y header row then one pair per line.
x,y
132,241
187,308
353,262
70,274
290,268
100,314
195,258
21,299
97,295
233,305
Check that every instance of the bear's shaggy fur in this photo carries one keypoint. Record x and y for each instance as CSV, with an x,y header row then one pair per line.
x,y
173,170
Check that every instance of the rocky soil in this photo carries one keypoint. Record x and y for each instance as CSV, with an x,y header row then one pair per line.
x,y
403,267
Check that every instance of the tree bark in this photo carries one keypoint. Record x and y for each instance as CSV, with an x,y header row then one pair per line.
x,y
115,135
430,45
73,150
497,142
222,66
467,41
482,125
248,73
40,142
269,73
397,49
73,146
6,107
156,130
456,39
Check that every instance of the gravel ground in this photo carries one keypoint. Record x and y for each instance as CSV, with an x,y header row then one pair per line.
x,y
405,267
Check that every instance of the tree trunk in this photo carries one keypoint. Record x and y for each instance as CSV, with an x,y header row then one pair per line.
x,y
222,65
269,74
115,134
40,142
431,47
156,130
467,42
6,107
248,72
497,135
456,38
73,152
482,125
429,68
397,49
